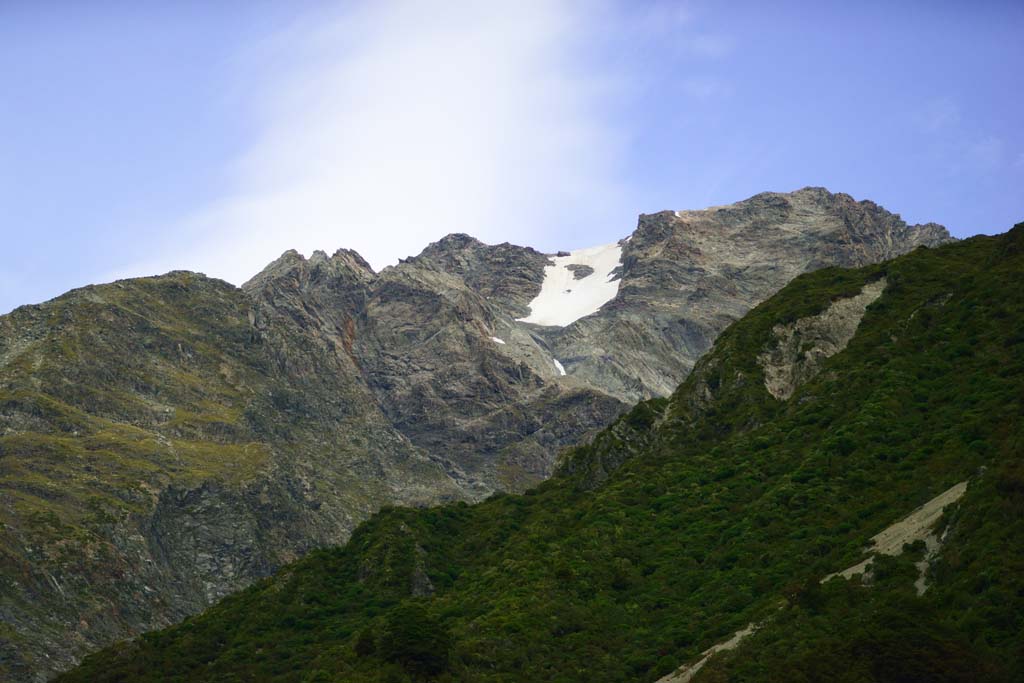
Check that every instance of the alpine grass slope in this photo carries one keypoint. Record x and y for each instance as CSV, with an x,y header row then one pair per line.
x,y
693,516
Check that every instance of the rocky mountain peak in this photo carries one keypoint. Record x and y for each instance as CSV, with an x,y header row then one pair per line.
x,y
456,241
351,259
291,267
506,274
686,275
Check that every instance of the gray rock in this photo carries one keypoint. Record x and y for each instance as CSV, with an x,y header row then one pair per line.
x,y
802,346
580,271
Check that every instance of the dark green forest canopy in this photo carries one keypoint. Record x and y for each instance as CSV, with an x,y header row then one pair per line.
x,y
691,517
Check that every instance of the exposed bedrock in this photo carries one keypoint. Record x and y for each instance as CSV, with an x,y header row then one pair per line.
x,y
804,345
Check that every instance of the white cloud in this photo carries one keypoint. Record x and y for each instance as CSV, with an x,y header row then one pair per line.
x,y
385,128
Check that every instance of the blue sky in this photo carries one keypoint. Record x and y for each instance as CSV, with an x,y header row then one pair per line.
x,y
141,137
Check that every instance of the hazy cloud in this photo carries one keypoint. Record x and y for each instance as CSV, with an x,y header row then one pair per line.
x,y
962,147
387,128
661,17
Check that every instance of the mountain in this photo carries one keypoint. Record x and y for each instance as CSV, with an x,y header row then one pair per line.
x,y
831,420
464,346
161,448
166,441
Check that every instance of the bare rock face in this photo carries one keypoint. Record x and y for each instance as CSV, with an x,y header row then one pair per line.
x,y
165,441
802,346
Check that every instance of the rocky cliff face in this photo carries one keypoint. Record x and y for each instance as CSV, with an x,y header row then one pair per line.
x,y
803,346
165,441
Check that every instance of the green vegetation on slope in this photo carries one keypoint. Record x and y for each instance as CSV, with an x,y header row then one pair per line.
x,y
82,431
968,626
688,519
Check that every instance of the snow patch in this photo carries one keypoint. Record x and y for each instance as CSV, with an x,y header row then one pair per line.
x,y
558,366
563,299
497,341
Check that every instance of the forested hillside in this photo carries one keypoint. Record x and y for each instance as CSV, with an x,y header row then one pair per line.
x,y
693,516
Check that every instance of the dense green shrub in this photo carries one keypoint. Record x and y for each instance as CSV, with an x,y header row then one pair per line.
x,y
416,640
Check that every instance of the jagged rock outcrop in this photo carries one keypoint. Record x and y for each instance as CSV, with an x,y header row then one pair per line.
x,y
165,441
